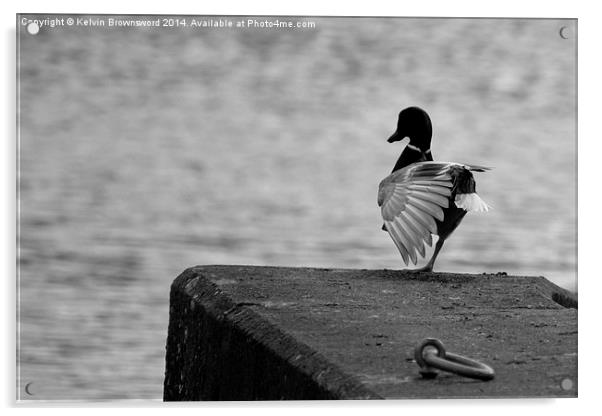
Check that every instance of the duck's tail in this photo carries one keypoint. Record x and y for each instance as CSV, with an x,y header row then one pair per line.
x,y
471,202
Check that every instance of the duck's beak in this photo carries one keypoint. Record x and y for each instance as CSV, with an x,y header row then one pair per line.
x,y
395,137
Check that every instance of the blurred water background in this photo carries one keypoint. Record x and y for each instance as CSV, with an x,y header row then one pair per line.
x,y
144,151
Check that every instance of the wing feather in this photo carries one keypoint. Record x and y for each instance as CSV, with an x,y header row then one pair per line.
x,y
436,182
428,196
405,239
411,199
419,235
430,188
397,240
427,222
415,226
429,207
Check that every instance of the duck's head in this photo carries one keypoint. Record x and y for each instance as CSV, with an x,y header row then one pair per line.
x,y
414,123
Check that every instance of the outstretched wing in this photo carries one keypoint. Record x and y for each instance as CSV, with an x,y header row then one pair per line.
x,y
411,199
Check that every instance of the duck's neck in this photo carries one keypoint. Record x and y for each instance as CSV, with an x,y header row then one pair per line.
x,y
412,154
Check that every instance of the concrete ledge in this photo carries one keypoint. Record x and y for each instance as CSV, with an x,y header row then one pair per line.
x,y
268,333
221,350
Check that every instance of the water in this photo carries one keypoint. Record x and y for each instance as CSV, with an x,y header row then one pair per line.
x,y
146,151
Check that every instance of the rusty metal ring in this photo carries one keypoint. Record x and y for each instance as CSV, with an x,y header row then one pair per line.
x,y
450,362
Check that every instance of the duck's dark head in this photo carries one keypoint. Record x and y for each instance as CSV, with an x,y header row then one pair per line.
x,y
414,123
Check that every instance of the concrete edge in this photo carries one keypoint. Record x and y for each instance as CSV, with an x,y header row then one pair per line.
x,y
561,296
297,356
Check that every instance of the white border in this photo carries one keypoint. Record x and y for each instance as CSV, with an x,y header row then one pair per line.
x,y
590,72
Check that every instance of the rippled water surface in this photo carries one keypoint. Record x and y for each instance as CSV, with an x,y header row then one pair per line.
x,y
146,151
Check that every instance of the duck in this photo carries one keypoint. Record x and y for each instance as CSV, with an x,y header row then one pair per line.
x,y
422,197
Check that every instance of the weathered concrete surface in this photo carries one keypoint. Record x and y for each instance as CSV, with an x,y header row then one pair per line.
x,y
261,333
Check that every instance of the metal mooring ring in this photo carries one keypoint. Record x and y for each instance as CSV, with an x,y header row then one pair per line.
x,y
429,360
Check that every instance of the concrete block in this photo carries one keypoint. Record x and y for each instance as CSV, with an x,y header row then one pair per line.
x,y
269,333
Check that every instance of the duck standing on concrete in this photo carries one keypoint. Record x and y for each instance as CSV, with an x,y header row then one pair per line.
x,y
422,197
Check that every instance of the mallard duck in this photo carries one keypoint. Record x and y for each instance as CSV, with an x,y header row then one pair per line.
x,y
422,197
